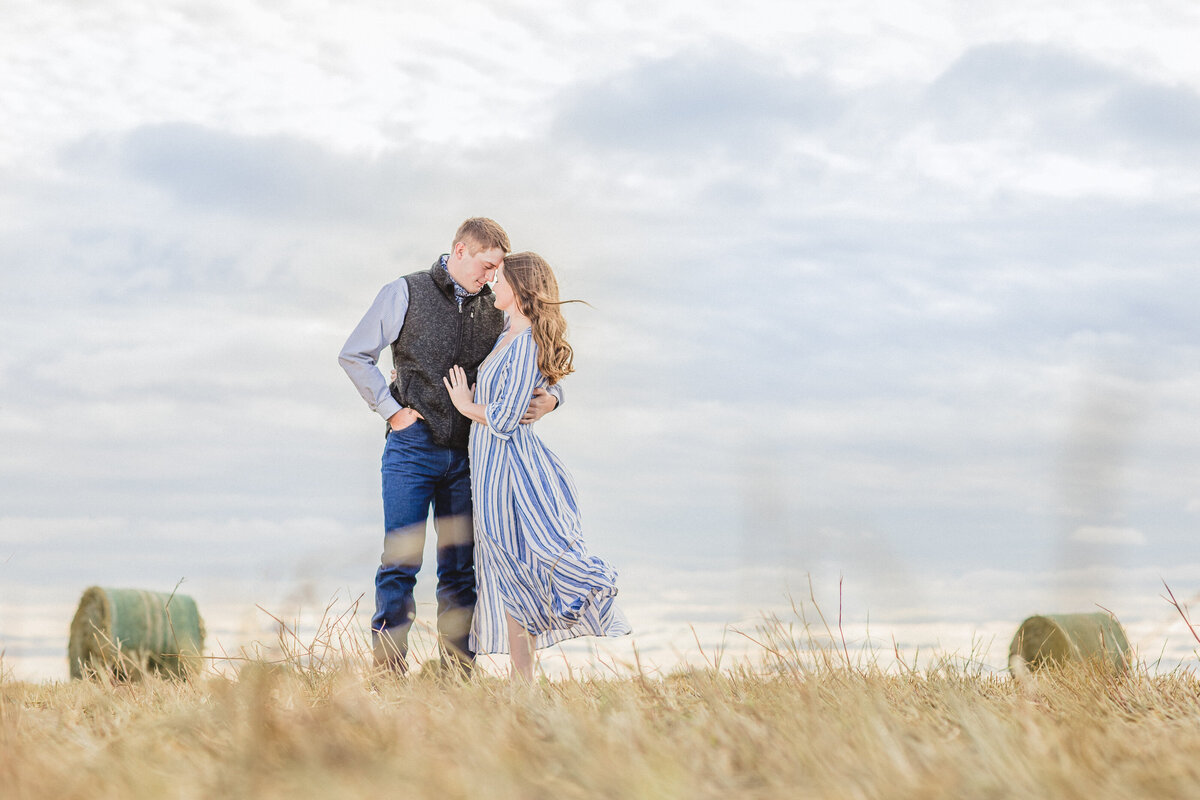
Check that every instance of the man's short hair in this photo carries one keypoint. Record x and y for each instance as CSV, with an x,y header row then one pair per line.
x,y
481,233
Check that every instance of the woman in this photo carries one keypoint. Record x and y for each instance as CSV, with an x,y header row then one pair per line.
x,y
537,583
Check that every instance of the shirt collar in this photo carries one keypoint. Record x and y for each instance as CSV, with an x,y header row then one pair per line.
x,y
459,292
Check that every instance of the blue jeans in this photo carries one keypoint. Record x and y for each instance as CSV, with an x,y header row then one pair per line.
x,y
418,474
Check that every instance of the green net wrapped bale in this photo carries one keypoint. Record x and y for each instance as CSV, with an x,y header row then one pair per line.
x,y
1094,639
127,631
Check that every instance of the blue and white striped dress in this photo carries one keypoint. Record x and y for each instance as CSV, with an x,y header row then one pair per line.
x,y
530,558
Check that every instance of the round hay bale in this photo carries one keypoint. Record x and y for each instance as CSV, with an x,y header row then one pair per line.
x,y
124,632
1057,639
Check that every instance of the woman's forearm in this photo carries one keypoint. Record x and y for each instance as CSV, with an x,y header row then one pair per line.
x,y
476,412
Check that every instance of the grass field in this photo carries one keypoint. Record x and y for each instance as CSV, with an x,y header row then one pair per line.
x,y
806,719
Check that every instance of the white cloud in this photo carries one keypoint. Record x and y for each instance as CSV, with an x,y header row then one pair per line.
x,y
732,100
1107,534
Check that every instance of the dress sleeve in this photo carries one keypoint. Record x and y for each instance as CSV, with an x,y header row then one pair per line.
x,y
515,387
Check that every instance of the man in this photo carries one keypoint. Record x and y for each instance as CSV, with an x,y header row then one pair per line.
x,y
432,320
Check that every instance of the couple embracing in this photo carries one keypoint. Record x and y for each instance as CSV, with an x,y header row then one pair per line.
x,y
478,346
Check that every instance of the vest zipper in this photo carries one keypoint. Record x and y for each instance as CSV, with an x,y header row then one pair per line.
x,y
458,343
456,419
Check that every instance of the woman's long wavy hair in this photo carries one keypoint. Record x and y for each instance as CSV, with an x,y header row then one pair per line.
x,y
536,291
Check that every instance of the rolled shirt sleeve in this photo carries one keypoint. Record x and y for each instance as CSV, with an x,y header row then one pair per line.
x,y
518,376
378,328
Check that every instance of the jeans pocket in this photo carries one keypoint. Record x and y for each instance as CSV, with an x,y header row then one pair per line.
x,y
405,433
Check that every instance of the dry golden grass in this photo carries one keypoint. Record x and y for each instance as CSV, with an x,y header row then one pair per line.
x,y
806,721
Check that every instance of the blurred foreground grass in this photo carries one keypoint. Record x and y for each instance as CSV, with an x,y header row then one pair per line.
x,y
806,720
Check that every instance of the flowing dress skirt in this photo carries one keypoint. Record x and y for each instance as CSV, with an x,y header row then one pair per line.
x,y
530,557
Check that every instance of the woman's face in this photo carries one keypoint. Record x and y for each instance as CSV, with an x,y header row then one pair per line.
x,y
505,299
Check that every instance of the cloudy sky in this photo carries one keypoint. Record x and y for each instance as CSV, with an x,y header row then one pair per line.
x,y
901,293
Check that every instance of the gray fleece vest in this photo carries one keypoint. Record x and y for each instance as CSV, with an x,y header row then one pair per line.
x,y
437,334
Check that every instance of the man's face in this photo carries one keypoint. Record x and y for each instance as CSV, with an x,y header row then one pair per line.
x,y
473,272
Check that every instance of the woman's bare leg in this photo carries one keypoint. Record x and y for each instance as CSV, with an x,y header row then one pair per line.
x,y
520,648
